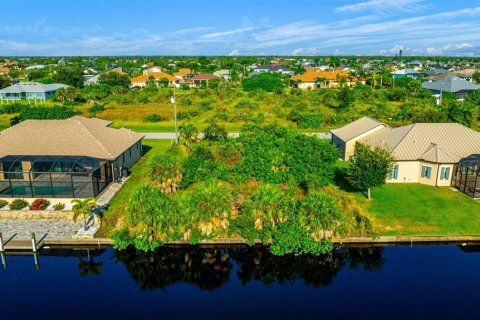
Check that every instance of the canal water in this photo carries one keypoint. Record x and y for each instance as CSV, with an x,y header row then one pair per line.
x,y
437,282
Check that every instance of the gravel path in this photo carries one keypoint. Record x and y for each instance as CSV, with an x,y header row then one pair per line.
x,y
55,229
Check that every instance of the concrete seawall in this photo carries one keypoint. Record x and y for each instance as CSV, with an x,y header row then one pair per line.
x,y
384,240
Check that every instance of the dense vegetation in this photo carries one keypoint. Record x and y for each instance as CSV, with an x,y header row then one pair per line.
x,y
271,185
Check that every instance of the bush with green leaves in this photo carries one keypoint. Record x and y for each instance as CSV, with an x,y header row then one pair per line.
x,y
291,238
9,108
246,104
3,203
18,204
96,108
153,217
264,81
165,172
59,206
306,120
215,132
154,117
274,154
46,113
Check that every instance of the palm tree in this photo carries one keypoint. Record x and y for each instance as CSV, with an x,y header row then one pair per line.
x,y
83,208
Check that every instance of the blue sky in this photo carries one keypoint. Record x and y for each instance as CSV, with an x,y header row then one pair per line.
x,y
234,27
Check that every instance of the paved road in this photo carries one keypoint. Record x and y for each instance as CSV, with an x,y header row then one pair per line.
x,y
171,135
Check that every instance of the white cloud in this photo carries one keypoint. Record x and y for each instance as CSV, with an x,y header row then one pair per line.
x,y
305,52
384,6
234,53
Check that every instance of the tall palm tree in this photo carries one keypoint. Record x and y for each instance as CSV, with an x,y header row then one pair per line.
x,y
83,208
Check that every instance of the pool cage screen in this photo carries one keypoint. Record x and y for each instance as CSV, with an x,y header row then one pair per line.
x,y
467,176
53,176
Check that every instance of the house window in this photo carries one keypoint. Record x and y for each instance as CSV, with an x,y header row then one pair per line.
x,y
445,174
426,172
394,172
130,152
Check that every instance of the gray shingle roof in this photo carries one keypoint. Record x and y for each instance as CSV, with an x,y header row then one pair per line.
x,y
453,84
32,87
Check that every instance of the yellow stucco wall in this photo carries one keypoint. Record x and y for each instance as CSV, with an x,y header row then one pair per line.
x,y
411,172
350,144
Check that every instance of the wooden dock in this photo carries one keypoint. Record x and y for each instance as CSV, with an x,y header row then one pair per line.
x,y
13,244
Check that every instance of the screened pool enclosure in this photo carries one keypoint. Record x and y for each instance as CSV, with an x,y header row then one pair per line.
x,y
53,176
467,176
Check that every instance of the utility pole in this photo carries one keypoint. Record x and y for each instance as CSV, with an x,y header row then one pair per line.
x,y
174,102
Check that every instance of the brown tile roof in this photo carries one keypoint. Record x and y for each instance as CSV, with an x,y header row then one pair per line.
x,y
203,76
4,69
183,72
156,75
76,136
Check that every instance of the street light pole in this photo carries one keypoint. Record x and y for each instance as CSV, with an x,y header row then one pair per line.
x,y
174,102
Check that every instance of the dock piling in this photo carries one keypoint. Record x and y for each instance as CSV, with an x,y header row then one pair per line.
x,y
34,243
2,247
4,260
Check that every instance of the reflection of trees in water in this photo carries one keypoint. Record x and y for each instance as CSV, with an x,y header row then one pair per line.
x,y
471,248
316,271
210,268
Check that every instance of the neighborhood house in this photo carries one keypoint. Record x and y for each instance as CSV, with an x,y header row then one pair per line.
x,y
73,158
30,91
438,154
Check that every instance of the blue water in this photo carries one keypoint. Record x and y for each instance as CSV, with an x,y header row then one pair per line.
x,y
436,282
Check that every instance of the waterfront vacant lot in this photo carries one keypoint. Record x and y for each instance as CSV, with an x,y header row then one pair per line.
x,y
396,209
415,209
114,215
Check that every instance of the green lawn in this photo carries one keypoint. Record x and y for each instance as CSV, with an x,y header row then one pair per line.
x,y
115,213
414,209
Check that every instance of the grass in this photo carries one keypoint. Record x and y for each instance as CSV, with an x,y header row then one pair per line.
x,y
115,213
415,209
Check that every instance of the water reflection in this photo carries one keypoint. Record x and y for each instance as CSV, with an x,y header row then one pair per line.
x,y
211,268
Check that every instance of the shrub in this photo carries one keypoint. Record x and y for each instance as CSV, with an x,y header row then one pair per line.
x,y
153,118
18,204
246,104
165,172
39,204
307,119
11,108
292,238
215,132
59,206
3,203
42,113
96,108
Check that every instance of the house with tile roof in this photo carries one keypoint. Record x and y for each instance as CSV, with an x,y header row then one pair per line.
x,y
142,80
323,79
427,153
72,158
